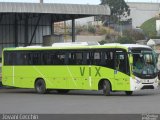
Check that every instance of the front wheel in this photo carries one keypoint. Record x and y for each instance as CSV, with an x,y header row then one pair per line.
x,y
106,88
129,93
40,86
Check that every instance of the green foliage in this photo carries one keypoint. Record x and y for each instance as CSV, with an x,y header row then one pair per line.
x,y
102,31
91,29
125,40
84,29
149,27
119,9
134,34
102,42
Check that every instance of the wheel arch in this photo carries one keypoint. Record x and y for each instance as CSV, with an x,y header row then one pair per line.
x,y
100,83
39,79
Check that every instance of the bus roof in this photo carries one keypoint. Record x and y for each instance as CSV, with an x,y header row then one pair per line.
x,y
54,47
127,45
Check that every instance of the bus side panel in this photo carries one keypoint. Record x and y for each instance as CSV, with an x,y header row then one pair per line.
x,y
54,77
88,77
63,77
25,76
122,81
7,75
105,74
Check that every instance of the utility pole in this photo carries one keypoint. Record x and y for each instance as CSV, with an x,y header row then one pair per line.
x,y
41,1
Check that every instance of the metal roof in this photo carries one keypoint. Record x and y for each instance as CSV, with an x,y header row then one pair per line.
x,y
7,7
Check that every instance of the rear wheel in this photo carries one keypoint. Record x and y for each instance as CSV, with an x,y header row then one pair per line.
x,y
40,86
106,88
129,93
62,91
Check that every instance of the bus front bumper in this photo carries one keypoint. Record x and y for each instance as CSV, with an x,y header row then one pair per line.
x,y
140,84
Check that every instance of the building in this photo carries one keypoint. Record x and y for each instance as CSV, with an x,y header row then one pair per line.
x,y
154,43
141,12
23,24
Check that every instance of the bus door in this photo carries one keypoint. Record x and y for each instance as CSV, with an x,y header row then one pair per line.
x,y
121,70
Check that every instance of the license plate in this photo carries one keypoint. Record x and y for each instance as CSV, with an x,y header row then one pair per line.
x,y
146,81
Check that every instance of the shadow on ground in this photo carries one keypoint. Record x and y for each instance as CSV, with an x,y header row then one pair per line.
x,y
79,92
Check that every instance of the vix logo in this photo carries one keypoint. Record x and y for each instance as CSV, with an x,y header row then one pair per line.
x,y
91,70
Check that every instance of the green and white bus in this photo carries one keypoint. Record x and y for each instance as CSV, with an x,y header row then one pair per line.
x,y
110,67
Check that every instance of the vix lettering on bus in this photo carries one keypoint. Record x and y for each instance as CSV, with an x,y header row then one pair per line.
x,y
90,70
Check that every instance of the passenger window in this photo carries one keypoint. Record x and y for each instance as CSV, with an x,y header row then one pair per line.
x,y
75,58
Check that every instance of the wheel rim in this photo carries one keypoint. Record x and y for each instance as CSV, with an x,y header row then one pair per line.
x,y
104,87
39,86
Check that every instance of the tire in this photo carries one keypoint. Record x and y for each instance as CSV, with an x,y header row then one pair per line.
x,y
129,93
62,91
106,88
0,84
40,86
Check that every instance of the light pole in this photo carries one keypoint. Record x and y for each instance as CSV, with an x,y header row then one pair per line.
x,y
41,1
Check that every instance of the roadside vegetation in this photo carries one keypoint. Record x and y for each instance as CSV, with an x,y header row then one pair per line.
x,y
149,28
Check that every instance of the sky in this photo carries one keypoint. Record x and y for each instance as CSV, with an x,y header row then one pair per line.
x,y
75,1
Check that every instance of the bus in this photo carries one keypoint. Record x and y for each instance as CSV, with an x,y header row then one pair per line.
x,y
60,67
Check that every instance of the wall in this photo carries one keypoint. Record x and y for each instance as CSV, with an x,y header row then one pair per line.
x,y
141,12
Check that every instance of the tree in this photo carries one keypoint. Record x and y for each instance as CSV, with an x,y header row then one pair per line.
x,y
119,9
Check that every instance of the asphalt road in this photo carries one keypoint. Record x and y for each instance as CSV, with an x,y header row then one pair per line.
x,y
79,102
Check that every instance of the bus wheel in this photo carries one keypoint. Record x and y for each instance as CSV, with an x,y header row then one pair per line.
x,y
106,88
40,86
129,93
62,91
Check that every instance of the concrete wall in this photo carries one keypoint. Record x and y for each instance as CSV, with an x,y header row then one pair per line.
x,y
141,12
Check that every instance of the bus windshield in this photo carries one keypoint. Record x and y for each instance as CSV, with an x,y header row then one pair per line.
x,y
144,64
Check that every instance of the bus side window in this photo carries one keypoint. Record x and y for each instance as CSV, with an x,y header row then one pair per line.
x,y
84,62
9,58
109,59
103,59
75,58
60,59
46,58
24,58
90,58
79,57
97,58
35,58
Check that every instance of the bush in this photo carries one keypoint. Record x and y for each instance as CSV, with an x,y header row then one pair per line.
x,y
102,42
125,40
79,30
102,31
134,34
91,29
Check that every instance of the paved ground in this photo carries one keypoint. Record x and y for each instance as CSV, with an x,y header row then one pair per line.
x,y
27,101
